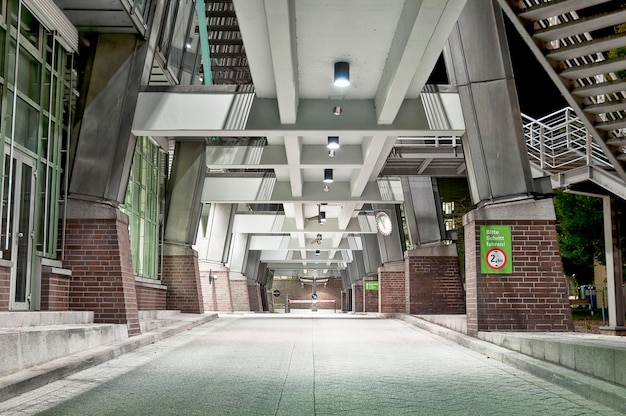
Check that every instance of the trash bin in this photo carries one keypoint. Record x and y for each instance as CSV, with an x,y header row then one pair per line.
x,y
589,293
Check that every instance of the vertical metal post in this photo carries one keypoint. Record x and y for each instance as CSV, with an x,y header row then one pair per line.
x,y
613,266
13,110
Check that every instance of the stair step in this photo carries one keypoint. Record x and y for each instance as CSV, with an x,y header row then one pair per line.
x,y
157,314
616,141
42,318
555,8
576,27
606,107
611,125
588,48
597,68
602,88
30,346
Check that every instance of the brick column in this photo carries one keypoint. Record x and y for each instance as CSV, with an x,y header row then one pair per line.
x,y
97,251
358,297
5,284
534,297
215,282
181,275
239,293
254,294
392,288
433,280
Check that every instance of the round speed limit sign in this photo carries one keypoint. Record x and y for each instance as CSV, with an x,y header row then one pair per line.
x,y
496,258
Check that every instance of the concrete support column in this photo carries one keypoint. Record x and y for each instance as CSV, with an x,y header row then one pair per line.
x,y
423,210
479,64
533,297
97,251
180,269
614,262
392,296
433,280
237,266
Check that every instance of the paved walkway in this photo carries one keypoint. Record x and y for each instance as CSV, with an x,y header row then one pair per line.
x,y
333,364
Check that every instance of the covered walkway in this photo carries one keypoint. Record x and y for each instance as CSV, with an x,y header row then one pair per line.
x,y
309,363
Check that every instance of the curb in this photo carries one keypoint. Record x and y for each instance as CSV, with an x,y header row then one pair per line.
x,y
584,385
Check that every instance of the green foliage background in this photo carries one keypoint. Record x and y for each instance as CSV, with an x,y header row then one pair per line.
x,y
580,229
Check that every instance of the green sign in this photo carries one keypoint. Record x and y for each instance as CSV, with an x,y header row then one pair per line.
x,y
371,285
495,249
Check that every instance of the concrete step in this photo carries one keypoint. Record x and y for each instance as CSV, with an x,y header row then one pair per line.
x,y
600,356
154,319
28,346
27,319
30,378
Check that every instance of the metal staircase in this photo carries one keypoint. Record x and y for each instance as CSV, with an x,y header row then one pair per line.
x,y
577,42
560,146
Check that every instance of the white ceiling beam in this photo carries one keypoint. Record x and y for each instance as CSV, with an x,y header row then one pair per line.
x,y
421,34
293,149
375,151
281,26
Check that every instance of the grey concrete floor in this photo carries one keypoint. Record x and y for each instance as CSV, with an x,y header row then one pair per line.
x,y
302,364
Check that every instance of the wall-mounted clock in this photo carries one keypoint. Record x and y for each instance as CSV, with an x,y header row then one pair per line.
x,y
383,223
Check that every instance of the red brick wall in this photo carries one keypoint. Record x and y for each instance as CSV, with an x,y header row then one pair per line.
x,y
358,297
216,291
534,297
55,290
97,251
239,294
5,282
150,298
181,275
434,284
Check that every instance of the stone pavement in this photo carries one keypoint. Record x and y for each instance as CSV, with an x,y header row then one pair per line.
x,y
303,364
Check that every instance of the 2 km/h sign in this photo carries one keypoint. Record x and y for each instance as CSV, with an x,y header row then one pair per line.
x,y
495,249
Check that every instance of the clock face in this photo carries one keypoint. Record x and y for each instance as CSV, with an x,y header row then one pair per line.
x,y
383,223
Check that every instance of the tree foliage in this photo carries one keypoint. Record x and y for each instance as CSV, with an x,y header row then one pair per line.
x,y
580,228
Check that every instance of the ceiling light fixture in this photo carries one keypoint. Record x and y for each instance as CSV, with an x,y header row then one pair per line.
x,y
337,110
333,142
326,188
328,175
342,74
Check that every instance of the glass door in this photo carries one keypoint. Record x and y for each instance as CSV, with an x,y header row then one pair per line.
x,y
17,225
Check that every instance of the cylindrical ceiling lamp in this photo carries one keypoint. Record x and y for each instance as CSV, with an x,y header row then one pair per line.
x,y
342,74
333,142
328,175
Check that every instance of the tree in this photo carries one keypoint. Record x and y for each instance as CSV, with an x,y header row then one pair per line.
x,y
580,231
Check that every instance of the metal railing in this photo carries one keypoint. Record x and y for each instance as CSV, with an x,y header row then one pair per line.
x,y
559,142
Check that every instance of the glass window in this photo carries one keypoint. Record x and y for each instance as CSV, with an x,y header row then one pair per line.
x,y
142,202
29,76
30,27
